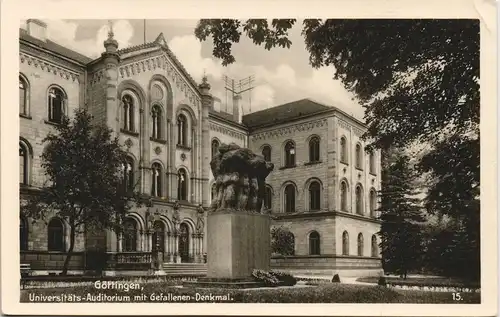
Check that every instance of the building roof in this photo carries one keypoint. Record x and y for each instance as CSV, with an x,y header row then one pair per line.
x,y
284,113
54,47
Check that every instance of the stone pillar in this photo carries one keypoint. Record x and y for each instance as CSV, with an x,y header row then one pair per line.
x,y
142,241
150,241
120,242
176,248
206,103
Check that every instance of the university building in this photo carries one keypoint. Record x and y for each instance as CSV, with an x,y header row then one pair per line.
x,y
323,188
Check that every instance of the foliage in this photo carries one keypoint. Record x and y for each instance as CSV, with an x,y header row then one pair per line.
x,y
327,293
401,216
84,186
274,278
381,281
420,281
423,91
282,241
336,279
285,278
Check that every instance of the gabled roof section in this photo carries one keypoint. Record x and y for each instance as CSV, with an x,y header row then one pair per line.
x,y
54,47
284,113
162,43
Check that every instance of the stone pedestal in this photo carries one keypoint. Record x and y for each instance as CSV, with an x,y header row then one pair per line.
x,y
237,244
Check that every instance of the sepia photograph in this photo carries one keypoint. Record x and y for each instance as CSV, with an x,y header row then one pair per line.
x,y
239,160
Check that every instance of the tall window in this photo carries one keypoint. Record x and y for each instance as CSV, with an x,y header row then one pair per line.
x,y
359,200
158,238
360,245
213,191
290,198
345,243
56,105
343,196
128,174
314,149
23,234
372,163
23,164
23,96
314,243
156,121
128,113
268,198
266,153
182,129
156,188
130,235
215,147
373,203
314,196
343,150
182,185
359,157
289,154
55,235
374,246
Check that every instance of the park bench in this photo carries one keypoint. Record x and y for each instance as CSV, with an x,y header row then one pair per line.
x,y
25,272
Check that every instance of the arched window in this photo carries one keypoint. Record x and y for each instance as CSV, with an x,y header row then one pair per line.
x,y
56,105
128,113
55,235
128,174
345,243
215,147
268,198
156,188
343,196
23,164
314,196
158,238
182,185
360,245
290,198
23,234
23,96
182,129
359,200
373,203
314,243
343,150
156,116
289,154
266,153
372,163
130,235
374,246
359,158
314,149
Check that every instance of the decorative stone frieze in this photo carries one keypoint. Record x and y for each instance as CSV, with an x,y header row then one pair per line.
x,y
49,67
301,127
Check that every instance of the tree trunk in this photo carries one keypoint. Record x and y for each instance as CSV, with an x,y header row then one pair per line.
x,y
70,250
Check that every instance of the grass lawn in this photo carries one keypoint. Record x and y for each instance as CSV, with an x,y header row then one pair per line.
x,y
326,293
421,281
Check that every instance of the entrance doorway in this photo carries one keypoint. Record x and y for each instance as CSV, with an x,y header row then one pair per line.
x,y
184,242
158,239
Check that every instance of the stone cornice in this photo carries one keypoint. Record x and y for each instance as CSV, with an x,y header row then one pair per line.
x,y
63,61
316,214
227,131
161,62
49,67
290,130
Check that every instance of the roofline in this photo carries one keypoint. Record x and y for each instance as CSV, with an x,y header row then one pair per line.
x,y
28,43
309,115
229,122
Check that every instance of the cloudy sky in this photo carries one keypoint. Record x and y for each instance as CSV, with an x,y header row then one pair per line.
x,y
281,75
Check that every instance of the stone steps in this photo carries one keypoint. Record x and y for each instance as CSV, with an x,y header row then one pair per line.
x,y
185,269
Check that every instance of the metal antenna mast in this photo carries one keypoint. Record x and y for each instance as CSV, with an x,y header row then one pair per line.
x,y
239,87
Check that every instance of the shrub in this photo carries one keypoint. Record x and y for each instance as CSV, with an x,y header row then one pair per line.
x,y
285,278
274,278
336,279
382,281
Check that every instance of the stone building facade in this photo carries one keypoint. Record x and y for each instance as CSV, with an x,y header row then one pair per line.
x,y
322,189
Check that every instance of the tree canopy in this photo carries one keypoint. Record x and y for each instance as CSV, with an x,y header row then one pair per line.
x,y
84,187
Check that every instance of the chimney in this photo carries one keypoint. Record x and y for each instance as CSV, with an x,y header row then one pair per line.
x,y
37,29
236,108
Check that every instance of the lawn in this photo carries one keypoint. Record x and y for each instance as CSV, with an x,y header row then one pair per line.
x,y
326,293
422,281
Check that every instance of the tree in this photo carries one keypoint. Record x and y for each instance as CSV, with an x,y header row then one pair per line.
x,y
401,216
84,187
282,241
418,81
